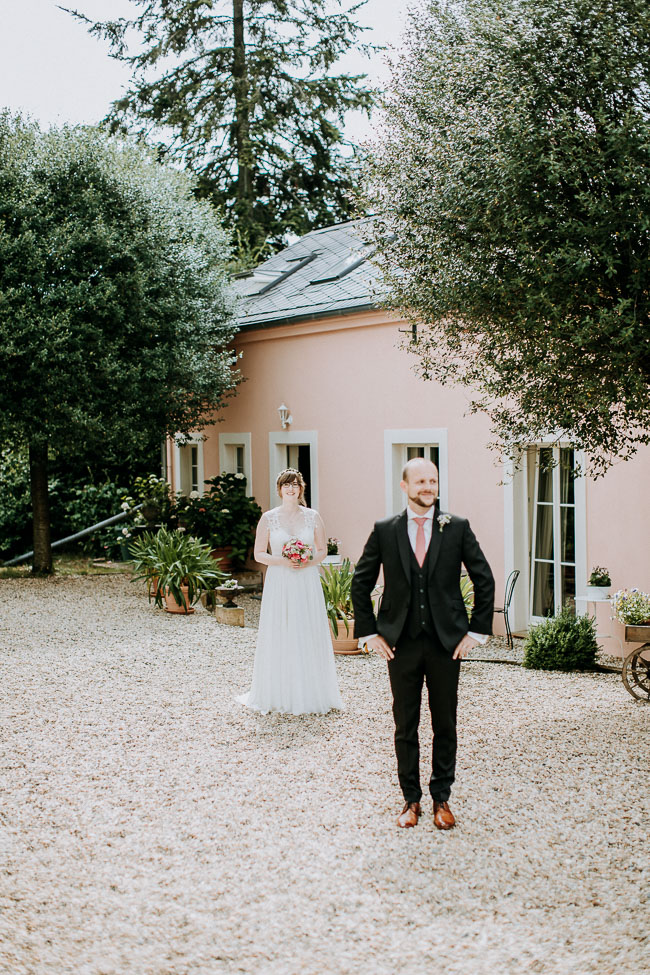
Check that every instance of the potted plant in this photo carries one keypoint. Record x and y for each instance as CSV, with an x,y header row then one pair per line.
x,y
142,552
631,607
228,590
598,583
336,581
333,557
182,565
225,518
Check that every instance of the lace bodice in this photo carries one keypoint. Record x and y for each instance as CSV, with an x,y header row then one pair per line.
x,y
279,533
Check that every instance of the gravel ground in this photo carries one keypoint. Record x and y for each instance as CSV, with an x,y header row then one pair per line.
x,y
150,825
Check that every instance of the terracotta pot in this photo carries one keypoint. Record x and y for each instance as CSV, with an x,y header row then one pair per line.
x,y
171,606
344,641
224,555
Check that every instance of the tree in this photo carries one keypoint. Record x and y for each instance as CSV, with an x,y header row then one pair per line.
x,y
115,311
240,92
513,187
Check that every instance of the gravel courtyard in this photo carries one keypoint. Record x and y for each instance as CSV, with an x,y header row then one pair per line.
x,y
150,825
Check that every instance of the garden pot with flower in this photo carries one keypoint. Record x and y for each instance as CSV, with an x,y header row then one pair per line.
x,y
631,607
598,584
333,556
229,612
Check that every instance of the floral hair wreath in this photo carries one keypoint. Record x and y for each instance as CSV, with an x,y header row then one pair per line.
x,y
288,470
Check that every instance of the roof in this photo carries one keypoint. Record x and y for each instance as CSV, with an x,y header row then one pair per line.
x,y
324,273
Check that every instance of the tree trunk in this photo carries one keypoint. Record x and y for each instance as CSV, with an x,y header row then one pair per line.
x,y
42,562
244,203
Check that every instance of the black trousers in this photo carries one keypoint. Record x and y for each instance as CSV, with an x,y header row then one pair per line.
x,y
417,660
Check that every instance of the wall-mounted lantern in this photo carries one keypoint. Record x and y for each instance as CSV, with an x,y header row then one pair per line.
x,y
285,416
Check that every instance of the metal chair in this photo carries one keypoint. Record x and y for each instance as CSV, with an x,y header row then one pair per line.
x,y
511,581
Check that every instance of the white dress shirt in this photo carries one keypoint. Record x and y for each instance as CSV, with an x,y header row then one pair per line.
x,y
412,528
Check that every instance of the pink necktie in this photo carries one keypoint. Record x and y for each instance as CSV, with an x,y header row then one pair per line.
x,y
420,541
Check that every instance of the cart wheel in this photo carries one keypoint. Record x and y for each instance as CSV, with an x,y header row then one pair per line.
x,y
636,674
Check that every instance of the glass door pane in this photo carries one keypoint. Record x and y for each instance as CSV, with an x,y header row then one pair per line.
x,y
552,526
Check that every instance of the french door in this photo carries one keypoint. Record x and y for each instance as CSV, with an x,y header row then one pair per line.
x,y
552,519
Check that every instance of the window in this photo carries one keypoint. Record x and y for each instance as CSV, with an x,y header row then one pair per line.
x,y
429,451
401,446
235,456
552,530
194,468
188,466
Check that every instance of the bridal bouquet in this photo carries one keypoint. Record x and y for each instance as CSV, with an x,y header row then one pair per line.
x,y
297,552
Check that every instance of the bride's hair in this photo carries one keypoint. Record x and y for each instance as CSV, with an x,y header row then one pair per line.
x,y
292,476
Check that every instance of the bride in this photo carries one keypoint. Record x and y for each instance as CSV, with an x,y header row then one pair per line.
x,y
294,671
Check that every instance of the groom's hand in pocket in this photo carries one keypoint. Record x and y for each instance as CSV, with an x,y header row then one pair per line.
x,y
379,645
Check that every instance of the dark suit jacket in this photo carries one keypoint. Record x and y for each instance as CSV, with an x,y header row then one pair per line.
x,y
449,550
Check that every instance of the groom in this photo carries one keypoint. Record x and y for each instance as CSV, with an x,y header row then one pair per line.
x,y
421,628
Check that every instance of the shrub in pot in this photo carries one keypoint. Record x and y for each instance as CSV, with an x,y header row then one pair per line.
x,y
563,642
181,564
336,581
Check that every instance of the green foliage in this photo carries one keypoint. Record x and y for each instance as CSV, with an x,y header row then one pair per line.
x,y
225,516
174,559
89,505
513,188
154,494
336,581
564,642
73,506
115,310
599,577
467,592
243,93
15,503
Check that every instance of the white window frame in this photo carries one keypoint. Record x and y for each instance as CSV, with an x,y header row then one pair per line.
x,y
194,440
282,439
395,443
227,440
516,540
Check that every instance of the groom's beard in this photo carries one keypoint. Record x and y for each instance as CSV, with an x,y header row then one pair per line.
x,y
425,502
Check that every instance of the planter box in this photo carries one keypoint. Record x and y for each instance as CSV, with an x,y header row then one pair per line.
x,y
332,560
637,633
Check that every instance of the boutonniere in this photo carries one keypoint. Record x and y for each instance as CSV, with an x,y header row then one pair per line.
x,y
443,519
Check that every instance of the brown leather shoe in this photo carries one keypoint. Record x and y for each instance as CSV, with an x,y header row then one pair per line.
x,y
443,817
410,815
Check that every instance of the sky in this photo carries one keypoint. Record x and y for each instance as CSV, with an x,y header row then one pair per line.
x,y
54,71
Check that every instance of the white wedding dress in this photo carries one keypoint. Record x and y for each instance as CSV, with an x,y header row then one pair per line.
x,y
294,670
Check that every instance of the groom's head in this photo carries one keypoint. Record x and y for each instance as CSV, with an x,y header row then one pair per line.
x,y
420,483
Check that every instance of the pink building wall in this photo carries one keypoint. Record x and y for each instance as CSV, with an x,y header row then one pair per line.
x,y
347,379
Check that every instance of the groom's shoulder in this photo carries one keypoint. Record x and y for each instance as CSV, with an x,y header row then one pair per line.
x,y
449,518
383,523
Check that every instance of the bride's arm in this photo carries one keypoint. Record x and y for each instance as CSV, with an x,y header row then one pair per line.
x,y
261,553
320,540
